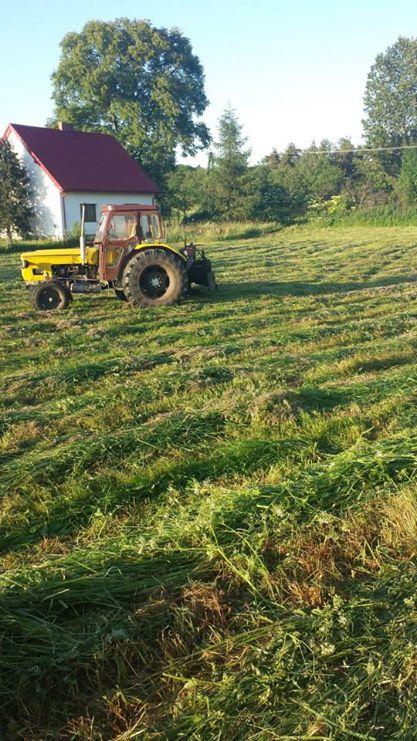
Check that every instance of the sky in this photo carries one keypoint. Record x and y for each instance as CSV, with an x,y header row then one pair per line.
x,y
294,70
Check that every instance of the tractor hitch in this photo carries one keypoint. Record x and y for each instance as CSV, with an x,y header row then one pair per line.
x,y
200,272
199,268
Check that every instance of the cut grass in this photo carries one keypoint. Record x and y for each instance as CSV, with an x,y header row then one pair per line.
x,y
208,512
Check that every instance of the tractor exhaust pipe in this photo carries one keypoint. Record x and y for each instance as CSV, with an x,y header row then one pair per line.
x,y
83,253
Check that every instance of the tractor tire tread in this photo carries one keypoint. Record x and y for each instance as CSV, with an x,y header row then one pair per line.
x,y
147,258
35,291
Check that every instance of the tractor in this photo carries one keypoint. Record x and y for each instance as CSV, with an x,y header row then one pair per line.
x,y
128,255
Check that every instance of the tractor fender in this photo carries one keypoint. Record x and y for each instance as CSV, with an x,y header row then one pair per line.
x,y
158,246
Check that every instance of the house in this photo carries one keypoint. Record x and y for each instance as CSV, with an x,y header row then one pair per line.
x,y
68,168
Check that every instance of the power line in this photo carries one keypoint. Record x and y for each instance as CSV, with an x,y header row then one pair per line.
x,y
358,150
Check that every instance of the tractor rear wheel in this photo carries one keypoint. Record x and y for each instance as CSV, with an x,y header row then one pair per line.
x,y
50,297
154,277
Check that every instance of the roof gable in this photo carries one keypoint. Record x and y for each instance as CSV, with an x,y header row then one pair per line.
x,y
81,161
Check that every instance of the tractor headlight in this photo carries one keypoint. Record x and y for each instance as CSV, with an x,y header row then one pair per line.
x,y
25,263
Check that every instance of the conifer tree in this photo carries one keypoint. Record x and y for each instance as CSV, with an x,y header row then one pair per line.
x,y
230,167
15,209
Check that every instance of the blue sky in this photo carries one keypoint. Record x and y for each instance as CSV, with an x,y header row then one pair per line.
x,y
294,70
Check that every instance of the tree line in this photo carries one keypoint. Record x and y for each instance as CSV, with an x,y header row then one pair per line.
x,y
321,181
145,86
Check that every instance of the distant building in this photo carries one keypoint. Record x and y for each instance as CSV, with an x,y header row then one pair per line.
x,y
67,168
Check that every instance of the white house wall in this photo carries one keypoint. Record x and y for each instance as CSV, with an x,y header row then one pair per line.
x,y
46,196
73,201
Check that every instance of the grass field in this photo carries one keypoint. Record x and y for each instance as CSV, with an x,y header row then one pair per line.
x,y
209,512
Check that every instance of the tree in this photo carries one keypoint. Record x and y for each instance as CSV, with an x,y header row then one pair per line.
x,y
344,155
322,178
390,99
142,84
272,160
15,209
291,155
373,185
190,194
407,179
270,200
230,167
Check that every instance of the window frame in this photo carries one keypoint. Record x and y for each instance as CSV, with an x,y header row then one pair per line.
x,y
125,216
86,207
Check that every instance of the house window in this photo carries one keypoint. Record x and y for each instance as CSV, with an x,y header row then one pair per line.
x,y
90,212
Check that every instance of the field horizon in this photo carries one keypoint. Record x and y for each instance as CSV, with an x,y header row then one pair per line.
x,y
208,518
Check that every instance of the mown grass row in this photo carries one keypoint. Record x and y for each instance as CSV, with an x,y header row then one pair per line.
x,y
208,516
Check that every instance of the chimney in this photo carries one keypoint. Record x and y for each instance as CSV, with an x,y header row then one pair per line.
x,y
62,126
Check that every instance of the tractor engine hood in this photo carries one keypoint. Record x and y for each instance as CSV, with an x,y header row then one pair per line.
x,y
63,256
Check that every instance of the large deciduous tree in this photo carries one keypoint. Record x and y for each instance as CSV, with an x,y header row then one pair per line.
x,y
142,84
390,99
15,209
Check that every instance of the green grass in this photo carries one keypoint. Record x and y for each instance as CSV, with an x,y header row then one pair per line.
x,y
220,231
28,245
384,215
208,519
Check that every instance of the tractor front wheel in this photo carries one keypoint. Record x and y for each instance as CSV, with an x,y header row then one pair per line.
x,y
154,277
50,297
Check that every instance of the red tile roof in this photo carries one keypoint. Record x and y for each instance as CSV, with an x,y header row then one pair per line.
x,y
80,161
